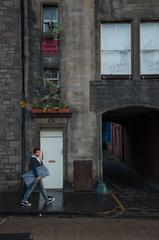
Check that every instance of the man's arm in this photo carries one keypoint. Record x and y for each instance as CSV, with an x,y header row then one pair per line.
x,y
34,166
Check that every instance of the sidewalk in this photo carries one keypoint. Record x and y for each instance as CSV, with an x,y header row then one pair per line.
x,y
78,228
66,203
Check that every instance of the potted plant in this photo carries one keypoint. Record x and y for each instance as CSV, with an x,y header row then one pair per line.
x,y
50,102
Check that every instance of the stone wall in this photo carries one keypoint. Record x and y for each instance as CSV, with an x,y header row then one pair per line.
x,y
77,70
127,9
10,94
109,95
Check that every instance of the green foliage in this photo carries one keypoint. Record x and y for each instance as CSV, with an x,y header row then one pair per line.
x,y
50,98
53,31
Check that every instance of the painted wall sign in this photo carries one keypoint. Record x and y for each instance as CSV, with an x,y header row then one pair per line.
x,y
50,46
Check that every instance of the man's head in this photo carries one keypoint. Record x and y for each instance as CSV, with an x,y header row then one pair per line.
x,y
36,152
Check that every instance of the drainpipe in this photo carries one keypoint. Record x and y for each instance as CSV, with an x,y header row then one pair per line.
x,y
101,186
23,84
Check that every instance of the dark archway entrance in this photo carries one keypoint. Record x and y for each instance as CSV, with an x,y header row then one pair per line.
x,y
130,138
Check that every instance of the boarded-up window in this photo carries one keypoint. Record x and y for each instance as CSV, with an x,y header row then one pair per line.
x,y
149,48
115,48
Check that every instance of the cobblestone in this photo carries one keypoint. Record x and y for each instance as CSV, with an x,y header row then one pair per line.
x,y
139,199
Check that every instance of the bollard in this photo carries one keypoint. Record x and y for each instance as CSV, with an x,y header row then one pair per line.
x,y
101,188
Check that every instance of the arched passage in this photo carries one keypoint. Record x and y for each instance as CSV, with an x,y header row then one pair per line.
x,y
130,135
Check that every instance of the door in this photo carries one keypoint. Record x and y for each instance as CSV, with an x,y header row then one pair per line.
x,y
51,142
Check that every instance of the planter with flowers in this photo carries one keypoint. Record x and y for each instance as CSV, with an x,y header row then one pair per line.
x,y
50,104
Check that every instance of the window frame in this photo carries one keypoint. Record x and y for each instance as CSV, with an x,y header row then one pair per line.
x,y
146,76
118,76
52,4
57,80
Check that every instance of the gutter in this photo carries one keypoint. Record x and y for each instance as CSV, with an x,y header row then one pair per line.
x,y
23,85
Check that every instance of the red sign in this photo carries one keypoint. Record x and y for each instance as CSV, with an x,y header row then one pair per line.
x,y
50,46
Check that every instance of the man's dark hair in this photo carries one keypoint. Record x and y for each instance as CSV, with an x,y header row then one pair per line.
x,y
36,149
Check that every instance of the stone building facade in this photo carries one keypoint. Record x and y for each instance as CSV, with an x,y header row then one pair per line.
x,y
22,67
76,62
11,92
126,87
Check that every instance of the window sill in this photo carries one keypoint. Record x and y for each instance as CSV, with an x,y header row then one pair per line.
x,y
115,77
155,76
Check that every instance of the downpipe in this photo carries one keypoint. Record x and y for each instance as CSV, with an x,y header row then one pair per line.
x,y
23,86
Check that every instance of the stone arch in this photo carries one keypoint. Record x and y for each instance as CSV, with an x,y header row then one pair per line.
x,y
140,122
118,107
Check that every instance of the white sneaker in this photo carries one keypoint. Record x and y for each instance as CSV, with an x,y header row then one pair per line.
x,y
25,203
50,200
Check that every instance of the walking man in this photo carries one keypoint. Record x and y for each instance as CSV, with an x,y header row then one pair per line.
x,y
35,161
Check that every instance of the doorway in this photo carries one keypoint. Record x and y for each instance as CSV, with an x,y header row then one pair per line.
x,y
51,143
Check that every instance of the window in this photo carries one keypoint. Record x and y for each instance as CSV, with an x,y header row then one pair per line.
x,y
50,17
51,74
116,49
149,48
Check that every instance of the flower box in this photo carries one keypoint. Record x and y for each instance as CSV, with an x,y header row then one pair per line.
x,y
51,112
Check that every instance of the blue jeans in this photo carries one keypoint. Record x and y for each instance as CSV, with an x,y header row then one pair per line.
x,y
31,188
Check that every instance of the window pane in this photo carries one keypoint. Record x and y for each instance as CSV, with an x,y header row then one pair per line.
x,y
150,62
116,48
50,16
115,36
50,13
116,62
149,36
51,73
149,48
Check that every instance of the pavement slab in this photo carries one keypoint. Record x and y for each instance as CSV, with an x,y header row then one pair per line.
x,y
81,228
66,203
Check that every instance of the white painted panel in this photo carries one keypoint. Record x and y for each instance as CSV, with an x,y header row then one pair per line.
x,y
52,147
115,36
51,133
116,48
116,62
150,62
149,33
149,48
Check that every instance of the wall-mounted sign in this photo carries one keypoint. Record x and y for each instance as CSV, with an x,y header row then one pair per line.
x,y
50,46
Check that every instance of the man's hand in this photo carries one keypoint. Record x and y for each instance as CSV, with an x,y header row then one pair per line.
x,y
38,178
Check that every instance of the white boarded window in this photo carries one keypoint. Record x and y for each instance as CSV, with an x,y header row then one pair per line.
x,y
50,17
115,49
149,48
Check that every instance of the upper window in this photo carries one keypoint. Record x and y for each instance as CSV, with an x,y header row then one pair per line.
x,y
149,48
116,49
51,74
50,17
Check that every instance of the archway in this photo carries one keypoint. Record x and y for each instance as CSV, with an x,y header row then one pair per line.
x,y
130,138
